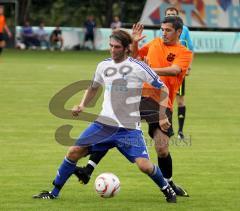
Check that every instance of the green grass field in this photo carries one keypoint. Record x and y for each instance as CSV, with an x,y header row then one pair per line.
x,y
208,166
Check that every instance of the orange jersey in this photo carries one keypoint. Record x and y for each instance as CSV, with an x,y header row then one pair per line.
x,y
2,23
160,55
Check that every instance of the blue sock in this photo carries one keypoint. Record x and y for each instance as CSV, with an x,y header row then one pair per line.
x,y
157,177
64,172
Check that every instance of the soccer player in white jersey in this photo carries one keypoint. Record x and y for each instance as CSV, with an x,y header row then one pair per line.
x,y
119,122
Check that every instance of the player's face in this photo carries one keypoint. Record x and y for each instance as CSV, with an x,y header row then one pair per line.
x,y
1,11
118,52
169,34
171,13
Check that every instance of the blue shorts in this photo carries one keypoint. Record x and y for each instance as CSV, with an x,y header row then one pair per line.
x,y
99,137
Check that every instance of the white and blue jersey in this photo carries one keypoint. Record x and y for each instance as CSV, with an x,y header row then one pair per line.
x,y
118,124
123,87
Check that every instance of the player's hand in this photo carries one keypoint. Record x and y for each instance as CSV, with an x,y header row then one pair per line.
x,y
164,123
137,30
77,109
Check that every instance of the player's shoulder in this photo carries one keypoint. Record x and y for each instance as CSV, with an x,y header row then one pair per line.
x,y
182,48
158,40
106,61
140,66
136,62
183,51
185,28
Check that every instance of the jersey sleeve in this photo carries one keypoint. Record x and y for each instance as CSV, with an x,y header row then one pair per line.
x,y
184,59
149,76
97,78
188,40
143,51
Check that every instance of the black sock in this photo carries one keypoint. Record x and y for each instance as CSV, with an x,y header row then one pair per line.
x,y
181,117
0,50
94,160
165,164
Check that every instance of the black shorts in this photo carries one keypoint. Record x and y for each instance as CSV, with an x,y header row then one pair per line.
x,y
181,91
89,37
1,37
149,111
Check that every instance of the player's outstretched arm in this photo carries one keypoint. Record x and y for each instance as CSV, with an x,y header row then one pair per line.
x,y
87,97
137,36
172,70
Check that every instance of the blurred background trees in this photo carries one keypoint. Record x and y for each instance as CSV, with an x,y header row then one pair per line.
x,y
74,12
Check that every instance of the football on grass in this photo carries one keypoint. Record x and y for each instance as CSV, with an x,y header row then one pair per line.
x,y
107,185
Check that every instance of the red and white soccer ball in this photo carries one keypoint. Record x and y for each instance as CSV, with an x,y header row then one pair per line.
x,y
107,185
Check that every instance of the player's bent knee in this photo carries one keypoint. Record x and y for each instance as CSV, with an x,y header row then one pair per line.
x,y
161,143
144,165
162,151
76,152
180,101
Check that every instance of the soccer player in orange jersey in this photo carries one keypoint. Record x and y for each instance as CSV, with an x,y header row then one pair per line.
x,y
3,26
185,40
170,60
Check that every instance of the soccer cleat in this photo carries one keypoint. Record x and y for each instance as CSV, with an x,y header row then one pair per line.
x,y
82,174
178,190
44,195
180,135
170,194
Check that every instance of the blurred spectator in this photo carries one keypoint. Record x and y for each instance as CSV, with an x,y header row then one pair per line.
x,y
56,39
28,36
89,30
3,27
198,13
116,24
42,36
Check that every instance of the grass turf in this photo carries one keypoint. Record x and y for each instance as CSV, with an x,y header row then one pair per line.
x,y
207,166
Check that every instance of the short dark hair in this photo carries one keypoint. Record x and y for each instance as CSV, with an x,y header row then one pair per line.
x,y
172,8
123,36
176,21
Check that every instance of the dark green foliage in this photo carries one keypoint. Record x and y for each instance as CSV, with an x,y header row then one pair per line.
x,y
74,12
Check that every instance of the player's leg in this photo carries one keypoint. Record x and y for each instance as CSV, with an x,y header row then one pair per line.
x,y
84,173
132,146
93,41
86,38
61,42
2,43
181,109
96,155
154,172
65,170
161,139
83,145
165,160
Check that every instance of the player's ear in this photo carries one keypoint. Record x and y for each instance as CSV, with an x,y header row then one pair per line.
x,y
179,31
